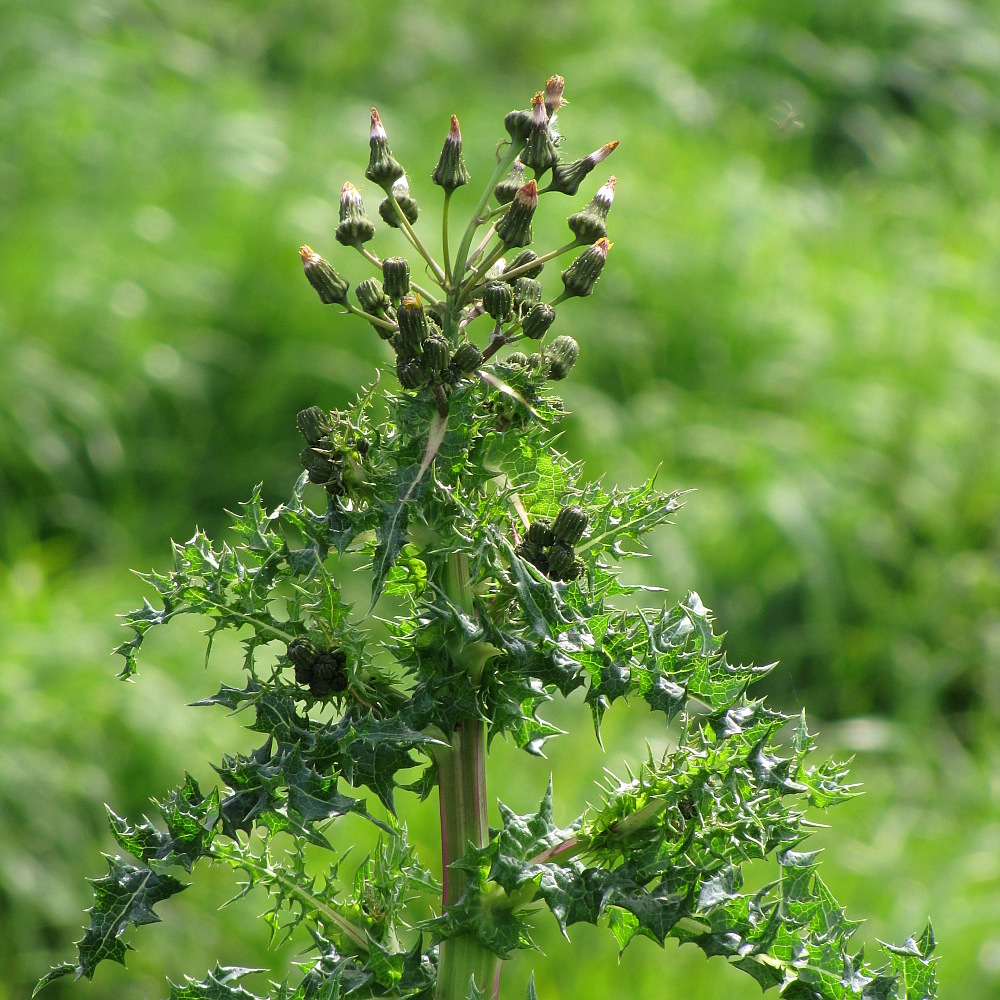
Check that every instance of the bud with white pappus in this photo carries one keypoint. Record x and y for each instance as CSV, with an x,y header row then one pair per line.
x,y
514,181
451,172
590,223
383,168
540,152
406,202
332,288
355,227
567,177
514,229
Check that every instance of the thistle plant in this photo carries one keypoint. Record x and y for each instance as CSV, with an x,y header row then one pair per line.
x,y
495,572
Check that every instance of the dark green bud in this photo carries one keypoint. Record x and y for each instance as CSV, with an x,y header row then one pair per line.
x,y
498,300
533,554
522,260
410,373
581,276
437,354
540,152
372,297
540,317
518,125
302,651
567,177
329,673
561,355
527,292
590,223
516,359
466,359
320,465
561,560
355,227
407,205
515,226
383,168
451,172
570,524
396,277
540,533
537,362
331,286
507,188
314,424
412,321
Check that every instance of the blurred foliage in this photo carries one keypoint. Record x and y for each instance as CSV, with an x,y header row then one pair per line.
x,y
799,323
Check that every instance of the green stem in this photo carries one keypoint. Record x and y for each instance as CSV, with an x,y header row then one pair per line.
x,y
516,272
418,245
491,258
374,320
462,800
444,237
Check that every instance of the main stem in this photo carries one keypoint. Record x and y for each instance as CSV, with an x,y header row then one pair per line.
x,y
462,799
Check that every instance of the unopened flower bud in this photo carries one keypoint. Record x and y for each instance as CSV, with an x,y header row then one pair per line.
x,y
355,227
412,321
406,202
498,300
507,188
554,94
540,317
570,524
590,223
540,152
561,355
518,125
331,286
451,172
313,424
581,276
410,373
515,227
561,559
467,358
396,277
383,168
540,533
319,464
436,355
538,364
516,359
525,257
527,291
567,177
495,273
371,297
329,673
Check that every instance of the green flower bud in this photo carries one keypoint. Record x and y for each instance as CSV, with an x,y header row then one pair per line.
x,y
567,177
533,554
540,317
383,168
527,292
302,651
515,227
540,533
410,373
537,363
396,276
540,152
314,424
561,355
451,172
412,321
507,188
518,125
590,223
437,354
466,359
498,300
355,227
322,468
561,559
570,524
525,257
554,95
407,205
331,286
372,297
581,276
516,359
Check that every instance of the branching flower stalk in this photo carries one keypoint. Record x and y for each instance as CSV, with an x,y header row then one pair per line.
x,y
504,563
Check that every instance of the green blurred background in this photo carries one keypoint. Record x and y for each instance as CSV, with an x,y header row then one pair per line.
x,y
798,321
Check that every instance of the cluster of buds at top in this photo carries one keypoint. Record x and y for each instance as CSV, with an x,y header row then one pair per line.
x,y
332,453
548,545
430,332
322,670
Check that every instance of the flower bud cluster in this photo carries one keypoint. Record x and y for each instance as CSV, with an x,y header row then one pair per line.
x,y
323,671
548,545
332,453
